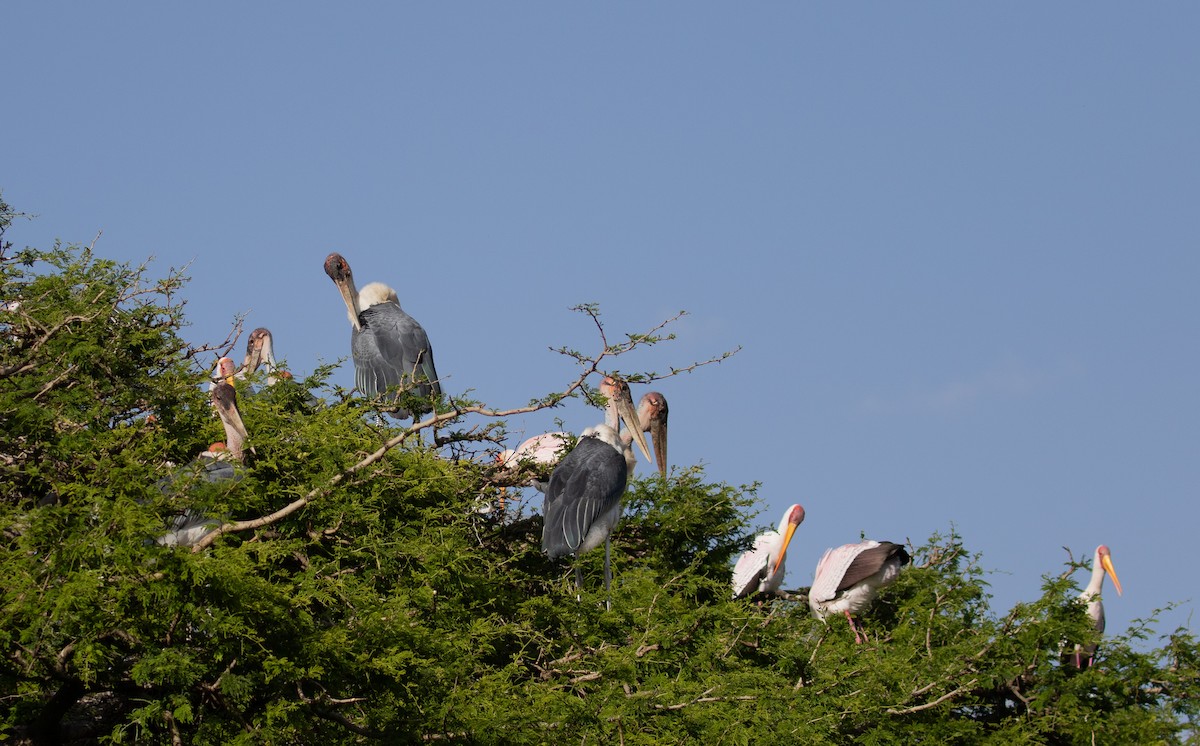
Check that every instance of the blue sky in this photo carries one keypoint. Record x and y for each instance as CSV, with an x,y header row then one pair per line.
x,y
957,243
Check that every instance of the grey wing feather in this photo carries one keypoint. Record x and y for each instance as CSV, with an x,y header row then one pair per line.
x,y
585,485
390,348
870,561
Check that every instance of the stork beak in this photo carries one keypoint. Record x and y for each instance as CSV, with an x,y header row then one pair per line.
x,y
228,411
350,296
658,431
338,270
254,356
1107,562
630,417
787,539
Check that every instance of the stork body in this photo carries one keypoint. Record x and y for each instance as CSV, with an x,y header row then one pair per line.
x,y
761,569
1084,655
546,449
214,465
540,449
849,577
583,498
389,348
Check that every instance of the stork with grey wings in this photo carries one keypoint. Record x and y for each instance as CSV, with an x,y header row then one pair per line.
x,y
217,464
849,577
583,499
390,349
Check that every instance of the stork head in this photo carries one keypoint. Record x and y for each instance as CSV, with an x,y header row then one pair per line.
x,y
259,350
225,370
338,270
791,519
617,392
1104,557
652,413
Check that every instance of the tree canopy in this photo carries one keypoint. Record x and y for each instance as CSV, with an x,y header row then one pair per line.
x,y
358,592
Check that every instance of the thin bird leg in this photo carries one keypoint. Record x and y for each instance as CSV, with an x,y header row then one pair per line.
x,y
857,639
607,579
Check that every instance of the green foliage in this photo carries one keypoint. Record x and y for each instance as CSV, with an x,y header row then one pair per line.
x,y
375,602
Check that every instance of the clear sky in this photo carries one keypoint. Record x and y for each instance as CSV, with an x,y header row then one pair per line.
x,y
957,242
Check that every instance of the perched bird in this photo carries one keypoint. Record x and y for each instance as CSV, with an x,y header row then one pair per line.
x,y
619,409
761,569
390,349
652,413
213,465
583,499
260,351
546,449
1084,655
225,370
849,577
540,449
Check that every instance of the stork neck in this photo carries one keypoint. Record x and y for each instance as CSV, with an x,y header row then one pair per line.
x,y
1095,585
611,418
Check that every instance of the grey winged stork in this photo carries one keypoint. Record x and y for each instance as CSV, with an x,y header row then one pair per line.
x,y
389,348
214,465
761,569
1084,655
849,577
583,498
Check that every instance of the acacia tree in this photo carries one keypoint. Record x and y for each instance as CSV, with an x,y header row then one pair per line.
x,y
355,592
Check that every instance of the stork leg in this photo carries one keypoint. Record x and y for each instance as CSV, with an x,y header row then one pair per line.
x,y
858,640
607,578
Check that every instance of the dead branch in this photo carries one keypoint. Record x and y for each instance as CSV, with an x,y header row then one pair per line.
x,y
929,705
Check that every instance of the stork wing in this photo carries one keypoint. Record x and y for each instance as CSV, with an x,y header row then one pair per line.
x,y
586,484
753,565
390,348
825,580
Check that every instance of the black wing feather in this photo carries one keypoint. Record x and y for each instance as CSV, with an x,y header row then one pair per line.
x,y
870,561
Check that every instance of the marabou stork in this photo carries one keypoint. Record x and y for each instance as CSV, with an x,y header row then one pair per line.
x,y
849,577
1084,655
390,349
652,413
583,499
191,525
761,569
260,351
